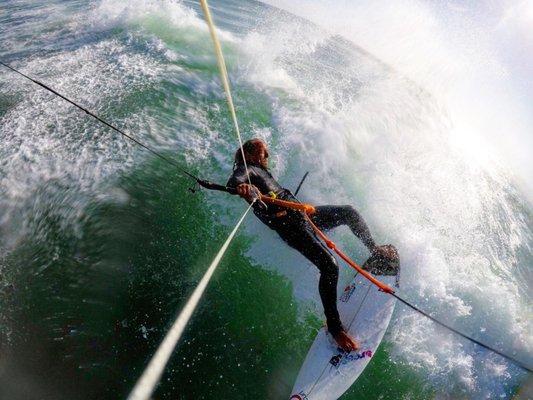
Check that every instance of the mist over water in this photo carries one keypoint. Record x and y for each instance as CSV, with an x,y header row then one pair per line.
x,y
400,133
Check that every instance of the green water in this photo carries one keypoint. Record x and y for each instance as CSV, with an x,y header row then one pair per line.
x,y
132,269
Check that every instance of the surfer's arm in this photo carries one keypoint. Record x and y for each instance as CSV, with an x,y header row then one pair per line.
x,y
239,181
237,178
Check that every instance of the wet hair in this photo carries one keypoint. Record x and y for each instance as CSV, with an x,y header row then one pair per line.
x,y
248,148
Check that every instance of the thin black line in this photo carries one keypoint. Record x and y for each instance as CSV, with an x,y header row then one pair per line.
x,y
360,306
168,160
514,360
301,183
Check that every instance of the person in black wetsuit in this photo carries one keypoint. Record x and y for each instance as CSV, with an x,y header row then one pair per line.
x,y
293,227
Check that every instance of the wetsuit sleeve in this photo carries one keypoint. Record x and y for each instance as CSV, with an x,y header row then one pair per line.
x,y
238,177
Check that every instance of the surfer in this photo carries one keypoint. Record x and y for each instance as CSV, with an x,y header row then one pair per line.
x,y
293,227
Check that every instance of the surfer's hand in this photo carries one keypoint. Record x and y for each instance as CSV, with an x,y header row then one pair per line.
x,y
386,251
247,192
346,342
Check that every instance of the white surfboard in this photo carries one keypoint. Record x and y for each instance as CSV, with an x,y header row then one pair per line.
x,y
327,371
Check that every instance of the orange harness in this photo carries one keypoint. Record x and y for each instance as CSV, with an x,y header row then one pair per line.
x,y
310,210
307,208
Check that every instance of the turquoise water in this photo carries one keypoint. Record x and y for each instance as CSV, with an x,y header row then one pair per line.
x,y
101,243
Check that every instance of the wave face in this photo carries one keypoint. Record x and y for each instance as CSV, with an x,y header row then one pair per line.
x,y
101,243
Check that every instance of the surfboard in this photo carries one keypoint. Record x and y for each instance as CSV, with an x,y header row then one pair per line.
x,y
328,371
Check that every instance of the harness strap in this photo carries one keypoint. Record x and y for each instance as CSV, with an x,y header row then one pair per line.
x,y
307,208
383,287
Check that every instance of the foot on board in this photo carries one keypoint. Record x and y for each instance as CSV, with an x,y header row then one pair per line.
x,y
384,261
346,342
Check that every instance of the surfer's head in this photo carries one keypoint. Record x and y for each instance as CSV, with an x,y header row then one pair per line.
x,y
256,152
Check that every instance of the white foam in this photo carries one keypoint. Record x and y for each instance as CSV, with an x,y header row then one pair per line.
x,y
50,145
170,13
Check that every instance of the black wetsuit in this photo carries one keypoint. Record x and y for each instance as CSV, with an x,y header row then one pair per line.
x,y
296,231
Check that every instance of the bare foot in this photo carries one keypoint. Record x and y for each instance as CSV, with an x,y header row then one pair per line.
x,y
346,342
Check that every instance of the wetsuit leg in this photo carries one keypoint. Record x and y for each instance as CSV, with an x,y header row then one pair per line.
x,y
305,241
328,217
